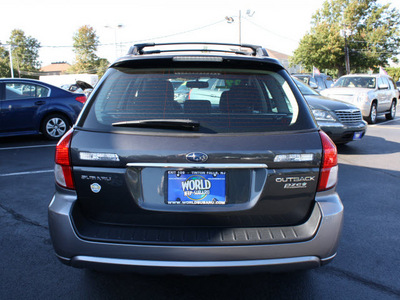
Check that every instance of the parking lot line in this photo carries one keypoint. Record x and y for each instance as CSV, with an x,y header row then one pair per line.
x,y
27,147
26,173
383,123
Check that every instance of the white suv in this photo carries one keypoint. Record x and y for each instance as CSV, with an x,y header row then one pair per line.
x,y
373,94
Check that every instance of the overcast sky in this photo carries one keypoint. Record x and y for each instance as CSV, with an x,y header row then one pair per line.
x,y
277,25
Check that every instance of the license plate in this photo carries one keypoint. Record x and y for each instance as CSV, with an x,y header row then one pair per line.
x,y
196,187
357,135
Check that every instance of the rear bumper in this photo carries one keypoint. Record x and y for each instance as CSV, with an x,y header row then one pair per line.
x,y
74,251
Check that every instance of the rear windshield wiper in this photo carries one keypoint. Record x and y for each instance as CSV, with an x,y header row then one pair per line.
x,y
161,123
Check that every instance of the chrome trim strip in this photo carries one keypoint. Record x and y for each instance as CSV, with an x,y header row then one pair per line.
x,y
198,166
196,264
328,259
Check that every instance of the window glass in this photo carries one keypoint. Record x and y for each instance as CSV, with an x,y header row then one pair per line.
x,y
354,81
385,81
23,90
321,83
245,101
380,82
328,82
305,89
391,83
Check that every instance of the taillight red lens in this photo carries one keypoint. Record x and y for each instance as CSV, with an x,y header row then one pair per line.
x,y
329,169
81,99
63,169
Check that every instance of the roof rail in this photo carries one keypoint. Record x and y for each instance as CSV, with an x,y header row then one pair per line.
x,y
138,49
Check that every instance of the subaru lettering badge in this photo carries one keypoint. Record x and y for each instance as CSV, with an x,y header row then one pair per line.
x,y
197,157
95,187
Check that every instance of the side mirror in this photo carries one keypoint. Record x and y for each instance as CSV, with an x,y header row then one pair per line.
x,y
383,86
313,85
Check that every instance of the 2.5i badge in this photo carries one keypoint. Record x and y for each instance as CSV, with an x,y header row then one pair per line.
x,y
95,187
295,182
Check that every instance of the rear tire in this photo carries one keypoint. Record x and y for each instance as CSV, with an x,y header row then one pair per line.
x,y
55,126
392,113
371,119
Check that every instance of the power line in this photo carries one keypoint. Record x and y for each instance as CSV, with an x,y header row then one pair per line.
x,y
142,40
267,30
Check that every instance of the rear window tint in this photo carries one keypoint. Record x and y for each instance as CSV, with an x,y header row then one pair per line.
x,y
220,102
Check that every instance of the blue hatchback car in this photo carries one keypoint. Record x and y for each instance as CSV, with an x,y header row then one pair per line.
x,y
30,106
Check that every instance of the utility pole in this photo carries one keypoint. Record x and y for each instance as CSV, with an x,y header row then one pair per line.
x,y
115,37
347,58
230,20
346,33
11,62
240,27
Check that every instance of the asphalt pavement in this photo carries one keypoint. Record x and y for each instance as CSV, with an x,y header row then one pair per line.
x,y
367,265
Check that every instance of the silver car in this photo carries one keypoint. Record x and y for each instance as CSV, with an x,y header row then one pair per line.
x,y
373,94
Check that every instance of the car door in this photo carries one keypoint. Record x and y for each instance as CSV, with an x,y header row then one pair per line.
x,y
383,94
328,82
20,105
321,84
394,92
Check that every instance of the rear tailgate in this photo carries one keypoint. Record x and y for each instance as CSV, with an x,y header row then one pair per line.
x,y
262,184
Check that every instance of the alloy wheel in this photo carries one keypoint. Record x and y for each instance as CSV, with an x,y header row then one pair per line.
x,y
56,127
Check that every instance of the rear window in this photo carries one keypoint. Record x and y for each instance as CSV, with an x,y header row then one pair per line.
x,y
220,102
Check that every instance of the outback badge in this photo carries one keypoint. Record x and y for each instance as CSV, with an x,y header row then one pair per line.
x,y
196,157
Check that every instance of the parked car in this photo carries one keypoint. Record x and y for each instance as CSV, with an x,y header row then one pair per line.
x,y
318,82
373,94
342,121
31,107
79,87
145,183
209,89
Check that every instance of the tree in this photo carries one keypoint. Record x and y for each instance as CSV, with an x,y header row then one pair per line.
x,y
394,73
373,36
102,66
85,47
25,52
4,63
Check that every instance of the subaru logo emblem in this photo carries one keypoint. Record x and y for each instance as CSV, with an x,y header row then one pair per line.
x,y
196,157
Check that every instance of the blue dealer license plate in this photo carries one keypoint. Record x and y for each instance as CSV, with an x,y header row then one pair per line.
x,y
196,187
357,135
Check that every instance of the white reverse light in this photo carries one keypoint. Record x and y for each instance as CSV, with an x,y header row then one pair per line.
x,y
294,157
98,156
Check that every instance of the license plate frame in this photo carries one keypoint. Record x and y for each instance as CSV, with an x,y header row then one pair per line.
x,y
196,187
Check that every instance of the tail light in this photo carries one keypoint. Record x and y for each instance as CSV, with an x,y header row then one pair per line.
x,y
329,168
63,168
81,99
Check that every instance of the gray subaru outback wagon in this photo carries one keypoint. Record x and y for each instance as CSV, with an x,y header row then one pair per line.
x,y
243,183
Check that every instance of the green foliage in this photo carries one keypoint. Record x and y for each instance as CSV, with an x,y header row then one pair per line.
x,y
102,66
373,36
85,47
394,73
25,52
4,63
